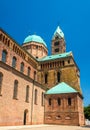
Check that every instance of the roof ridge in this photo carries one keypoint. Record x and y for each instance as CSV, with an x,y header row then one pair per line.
x,y
61,88
61,53
56,56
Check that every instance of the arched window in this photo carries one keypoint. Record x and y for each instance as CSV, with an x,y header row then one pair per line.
x,y
49,102
42,98
58,76
69,101
69,61
46,78
3,38
56,43
59,101
0,37
50,65
41,66
4,56
35,96
25,119
57,50
22,67
15,92
14,62
58,117
63,63
28,71
27,93
8,43
1,79
34,75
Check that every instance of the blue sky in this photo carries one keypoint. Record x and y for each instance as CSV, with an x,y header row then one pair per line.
x,y
19,18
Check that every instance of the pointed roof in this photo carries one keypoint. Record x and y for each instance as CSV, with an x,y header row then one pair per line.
x,y
58,32
61,88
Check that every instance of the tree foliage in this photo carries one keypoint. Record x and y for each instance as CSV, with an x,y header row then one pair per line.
x,y
87,112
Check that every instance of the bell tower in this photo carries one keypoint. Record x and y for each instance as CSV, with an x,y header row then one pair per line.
x,y
58,42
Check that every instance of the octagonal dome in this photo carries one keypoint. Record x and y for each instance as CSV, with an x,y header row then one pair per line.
x,y
34,38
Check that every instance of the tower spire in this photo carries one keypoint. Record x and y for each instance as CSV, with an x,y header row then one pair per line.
x,y
58,32
58,41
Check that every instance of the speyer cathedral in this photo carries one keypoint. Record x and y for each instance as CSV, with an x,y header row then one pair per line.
x,y
36,88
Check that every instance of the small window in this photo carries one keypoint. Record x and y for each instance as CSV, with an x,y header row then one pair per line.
x,y
68,61
25,116
50,65
57,50
35,75
63,63
27,93
1,79
28,72
35,96
42,98
46,78
3,38
49,101
8,43
36,47
59,101
4,56
0,37
56,43
14,62
58,76
15,92
41,66
69,101
22,67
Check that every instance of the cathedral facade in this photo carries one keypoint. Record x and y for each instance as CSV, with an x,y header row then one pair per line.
x,y
36,88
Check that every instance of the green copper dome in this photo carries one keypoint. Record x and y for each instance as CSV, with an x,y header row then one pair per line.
x,y
34,38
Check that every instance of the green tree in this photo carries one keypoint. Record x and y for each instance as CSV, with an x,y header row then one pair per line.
x,y
87,112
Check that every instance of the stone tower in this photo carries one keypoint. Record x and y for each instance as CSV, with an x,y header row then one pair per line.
x,y
58,42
